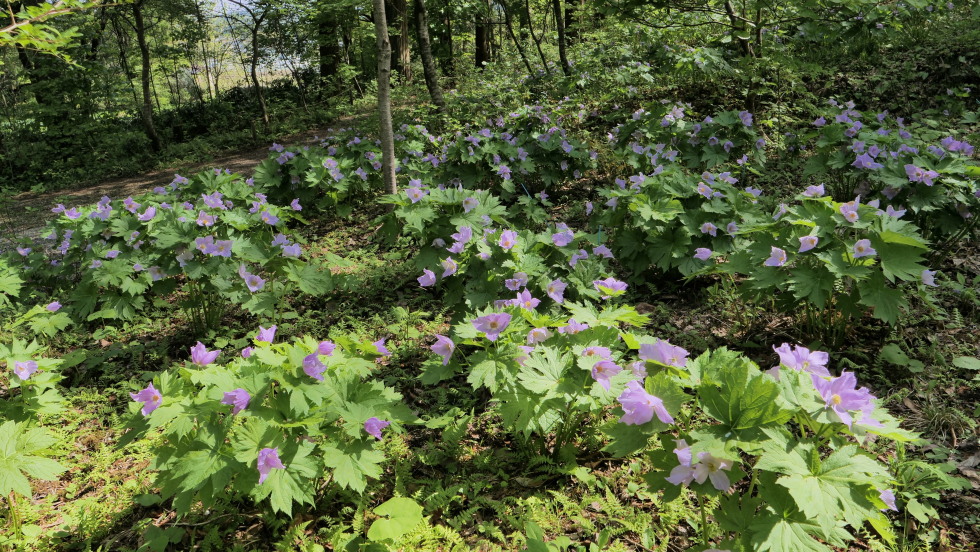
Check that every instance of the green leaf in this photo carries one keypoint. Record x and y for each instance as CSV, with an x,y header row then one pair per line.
x,y
887,302
403,515
745,399
780,535
967,363
353,464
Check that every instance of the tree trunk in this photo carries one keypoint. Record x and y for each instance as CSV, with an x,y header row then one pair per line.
x,y
517,43
253,71
534,37
425,51
560,25
147,108
384,98
482,33
327,45
572,7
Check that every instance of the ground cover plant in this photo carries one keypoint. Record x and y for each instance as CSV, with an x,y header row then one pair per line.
x,y
671,293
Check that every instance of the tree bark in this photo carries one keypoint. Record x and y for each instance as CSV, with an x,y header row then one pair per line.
x,y
147,108
384,98
534,37
517,43
560,24
425,51
397,14
482,34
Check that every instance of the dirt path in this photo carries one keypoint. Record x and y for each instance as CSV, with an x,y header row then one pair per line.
x,y
26,213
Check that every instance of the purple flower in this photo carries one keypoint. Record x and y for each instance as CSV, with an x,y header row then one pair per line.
x,y
508,239
374,426
745,117
563,238
801,359
863,249
427,278
706,467
664,353
526,301
443,347
148,214
556,290
892,212
150,397
865,161
269,218
929,278
449,267
596,350
573,327
112,254
611,287
808,242
602,251
238,398
517,282
579,256
814,191
313,367
640,406
538,335
888,497
918,174
416,194
777,257
325,348
268,459
53,306
252,281
492,324
247,352
702,253
204,219
603,370
266,335
201,356
705,190
380,346
25,369
842,396
709,228
292,251
820,121
295,205
469,204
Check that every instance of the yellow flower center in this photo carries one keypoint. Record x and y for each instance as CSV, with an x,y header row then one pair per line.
x,y
836,399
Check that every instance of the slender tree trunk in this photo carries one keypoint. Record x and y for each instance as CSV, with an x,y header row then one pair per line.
x,y
560,25
737,27
425,52
517,43
534,37
327,45
402,44
384,98
147,108
572,8
253,71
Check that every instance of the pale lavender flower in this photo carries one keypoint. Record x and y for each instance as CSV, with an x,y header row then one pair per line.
x,y
443,347
556,290
325,348
709,228
374,426
508,239
602,251
929,278
863,249
707,467
26,369
538,335
380,346
664,353
313,367
247,352
492,324
801,359
449,267
888,497
269,218
150,397
597,351
295,205
416,194
777,257
639,406
526,301
201,356
814,191
573,327
238,398
266,335
427,278
517,282
469,204
842,396
702,253
808,242
148,214
268,460
603,370
611,287
54,306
